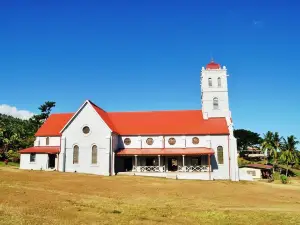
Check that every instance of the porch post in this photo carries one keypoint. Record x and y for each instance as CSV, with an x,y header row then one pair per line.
x,y
159,162
209,167
135,160
183,164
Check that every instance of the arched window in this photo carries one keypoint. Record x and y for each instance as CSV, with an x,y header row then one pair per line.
x,y
219,82
47,140
209,82
216,103
75,154
94,154
220,155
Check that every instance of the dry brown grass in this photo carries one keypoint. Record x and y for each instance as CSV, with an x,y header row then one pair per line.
x,y
36,197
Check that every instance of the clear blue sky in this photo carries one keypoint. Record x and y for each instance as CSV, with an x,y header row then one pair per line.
x,y
147,55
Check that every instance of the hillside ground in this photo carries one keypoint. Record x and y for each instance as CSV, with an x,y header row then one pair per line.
x,y
38,197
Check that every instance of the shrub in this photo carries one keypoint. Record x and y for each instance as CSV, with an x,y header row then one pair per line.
x,y
276,176
284,179
13,156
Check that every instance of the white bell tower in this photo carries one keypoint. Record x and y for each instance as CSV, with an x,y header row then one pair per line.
x,y
214,91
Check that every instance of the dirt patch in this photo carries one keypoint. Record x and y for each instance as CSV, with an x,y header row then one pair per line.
x,y
37,197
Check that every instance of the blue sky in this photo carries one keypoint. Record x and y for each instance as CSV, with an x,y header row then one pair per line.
x,y
147,55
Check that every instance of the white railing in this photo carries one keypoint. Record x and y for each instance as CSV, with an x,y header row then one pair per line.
x,y
198,168
148,168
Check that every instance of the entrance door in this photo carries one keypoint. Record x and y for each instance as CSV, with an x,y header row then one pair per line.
x,y
128,164
150,161
172,164
51,161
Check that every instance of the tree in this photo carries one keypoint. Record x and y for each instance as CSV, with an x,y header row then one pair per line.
x,y
289,151
246,138
271,145
45,109
16,134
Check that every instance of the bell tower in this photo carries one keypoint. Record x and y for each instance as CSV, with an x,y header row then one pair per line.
x,y
214,91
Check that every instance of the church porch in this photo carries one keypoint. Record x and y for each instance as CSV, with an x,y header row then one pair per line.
x,y
167,162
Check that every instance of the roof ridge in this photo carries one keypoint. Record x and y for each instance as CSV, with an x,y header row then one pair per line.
x,y
62,113
96,105
179,110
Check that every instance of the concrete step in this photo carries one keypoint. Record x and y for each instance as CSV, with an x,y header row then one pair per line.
x,y
171,176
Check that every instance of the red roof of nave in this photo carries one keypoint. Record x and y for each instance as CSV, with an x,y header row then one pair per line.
x,y
176,122
166,122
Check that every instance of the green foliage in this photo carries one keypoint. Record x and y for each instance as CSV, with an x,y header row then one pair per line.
x,y
16,134
13,156
38,120
246,138
243,162
9,164
276,176
284,179
289,153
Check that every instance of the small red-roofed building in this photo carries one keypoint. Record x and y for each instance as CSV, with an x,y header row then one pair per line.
x,y
182,144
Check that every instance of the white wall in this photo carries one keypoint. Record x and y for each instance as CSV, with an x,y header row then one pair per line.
x,y
249,171
135,142
204,141
221,171
41,162
209,93
99,135
158,142
181,141
41,141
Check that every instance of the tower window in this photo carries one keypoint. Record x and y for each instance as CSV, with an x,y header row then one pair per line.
x,y
216,103
209,82
219,82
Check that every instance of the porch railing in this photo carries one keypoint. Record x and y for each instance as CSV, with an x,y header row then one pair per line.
x,y
198,168
148,168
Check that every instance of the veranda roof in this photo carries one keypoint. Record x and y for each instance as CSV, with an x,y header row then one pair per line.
x,y
44,149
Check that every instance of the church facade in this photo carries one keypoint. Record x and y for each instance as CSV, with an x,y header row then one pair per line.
x,y
179,144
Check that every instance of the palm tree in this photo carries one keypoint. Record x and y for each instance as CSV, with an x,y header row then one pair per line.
x,y
289,154
277,143
271,145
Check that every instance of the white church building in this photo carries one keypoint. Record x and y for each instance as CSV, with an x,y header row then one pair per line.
x,y
180,144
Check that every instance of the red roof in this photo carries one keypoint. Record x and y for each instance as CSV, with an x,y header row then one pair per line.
x,y
104,115
166,122
54,124
177,122
45,149
259,166
213,65
165,151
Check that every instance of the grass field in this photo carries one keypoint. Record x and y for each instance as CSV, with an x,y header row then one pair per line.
x,y
37,197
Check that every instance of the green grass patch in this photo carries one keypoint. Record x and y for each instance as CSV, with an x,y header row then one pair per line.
x,y
11,164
